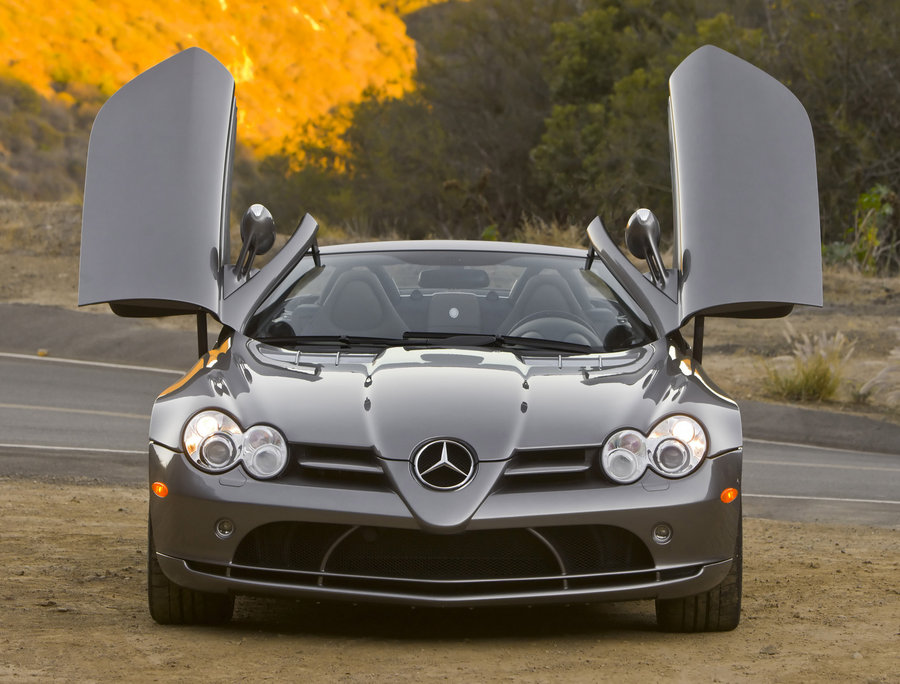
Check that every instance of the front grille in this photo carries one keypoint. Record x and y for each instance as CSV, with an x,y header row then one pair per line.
x,y
527,470
336,466
473,563
289,546
530,470
597,548
544,462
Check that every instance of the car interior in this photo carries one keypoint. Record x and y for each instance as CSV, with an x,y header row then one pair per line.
x,y
384,301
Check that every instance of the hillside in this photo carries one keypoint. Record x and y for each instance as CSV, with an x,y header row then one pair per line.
x,y
292,59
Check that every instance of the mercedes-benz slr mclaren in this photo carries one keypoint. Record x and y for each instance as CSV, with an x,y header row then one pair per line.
x,y
449,423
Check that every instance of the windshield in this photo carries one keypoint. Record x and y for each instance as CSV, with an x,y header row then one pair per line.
x,y
451,298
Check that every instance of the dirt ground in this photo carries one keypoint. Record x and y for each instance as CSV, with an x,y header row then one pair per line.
x,y
821,603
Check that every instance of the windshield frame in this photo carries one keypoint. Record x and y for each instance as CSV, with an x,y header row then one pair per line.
x,y
479,287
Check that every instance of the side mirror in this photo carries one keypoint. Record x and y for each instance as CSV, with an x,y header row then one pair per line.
x,y
257,235
642,240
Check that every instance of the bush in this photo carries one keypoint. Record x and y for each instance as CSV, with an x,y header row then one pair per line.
x,y
817,367
875,245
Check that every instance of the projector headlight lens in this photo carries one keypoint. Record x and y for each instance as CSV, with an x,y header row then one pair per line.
x,y
218,451
671,457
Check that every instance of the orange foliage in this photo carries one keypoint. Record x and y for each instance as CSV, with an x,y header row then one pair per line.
x,y
293,60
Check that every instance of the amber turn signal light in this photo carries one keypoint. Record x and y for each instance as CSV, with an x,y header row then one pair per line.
x,y
160,489
729,495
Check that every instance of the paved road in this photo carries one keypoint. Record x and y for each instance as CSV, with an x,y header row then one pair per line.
x,y
817,484
88,420
76,419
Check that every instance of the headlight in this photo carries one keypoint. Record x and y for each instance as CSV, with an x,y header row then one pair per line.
x,y
265,452
624,456
679,445
218,451
675,447
214,442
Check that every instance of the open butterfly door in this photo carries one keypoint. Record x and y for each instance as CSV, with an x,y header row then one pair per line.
x,y
747,234
154,235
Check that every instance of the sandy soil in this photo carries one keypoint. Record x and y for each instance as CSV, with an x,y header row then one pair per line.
x,y
821,603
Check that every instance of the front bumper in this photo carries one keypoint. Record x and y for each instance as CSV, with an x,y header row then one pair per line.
x,y
553,541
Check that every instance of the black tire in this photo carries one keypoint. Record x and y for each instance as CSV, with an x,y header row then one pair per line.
x,y
716,610
171,604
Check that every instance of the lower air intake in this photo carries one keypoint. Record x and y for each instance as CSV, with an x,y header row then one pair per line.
x,y
486,560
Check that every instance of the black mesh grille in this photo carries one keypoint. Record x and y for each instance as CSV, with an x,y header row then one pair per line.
x,y
408,555
288,546
597,548
472,555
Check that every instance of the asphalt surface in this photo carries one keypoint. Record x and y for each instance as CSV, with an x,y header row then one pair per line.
x,y
788,481
88,420
63,333
60,419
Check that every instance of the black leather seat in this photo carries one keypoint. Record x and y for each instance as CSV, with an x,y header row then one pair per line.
x,y
357,305
544,292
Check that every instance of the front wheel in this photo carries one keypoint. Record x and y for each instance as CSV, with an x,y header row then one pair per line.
x,y
171,604
716,610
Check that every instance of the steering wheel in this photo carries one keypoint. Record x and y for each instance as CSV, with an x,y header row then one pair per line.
x,y
561,326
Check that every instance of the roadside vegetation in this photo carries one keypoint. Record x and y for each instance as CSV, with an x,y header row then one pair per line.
x,y
557,110
293,60
816,369
478,119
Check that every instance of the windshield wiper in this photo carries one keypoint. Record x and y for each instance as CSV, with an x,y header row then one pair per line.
x,y
432,339
499,341
448,339
341,341
548,345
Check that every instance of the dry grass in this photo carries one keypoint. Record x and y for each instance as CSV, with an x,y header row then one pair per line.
x,y
817,367
885,383
535,230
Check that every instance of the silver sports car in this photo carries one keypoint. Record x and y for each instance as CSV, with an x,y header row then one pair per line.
x,y
449,423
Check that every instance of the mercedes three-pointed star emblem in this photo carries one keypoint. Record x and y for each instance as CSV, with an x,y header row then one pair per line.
x,y
444,464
